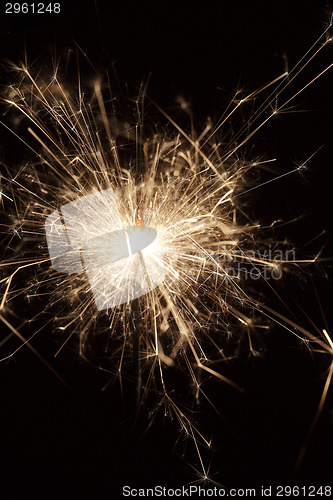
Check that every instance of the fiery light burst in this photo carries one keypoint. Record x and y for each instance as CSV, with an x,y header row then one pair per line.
x,y
184,188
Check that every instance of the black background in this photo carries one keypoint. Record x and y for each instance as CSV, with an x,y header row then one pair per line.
x,y
77,442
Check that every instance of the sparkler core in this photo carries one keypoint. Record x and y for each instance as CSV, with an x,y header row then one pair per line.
x,y
122,262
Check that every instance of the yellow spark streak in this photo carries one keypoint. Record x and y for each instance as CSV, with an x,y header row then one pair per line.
x,y
32,349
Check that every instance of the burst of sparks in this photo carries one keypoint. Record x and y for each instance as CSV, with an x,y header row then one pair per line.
x,y
186,187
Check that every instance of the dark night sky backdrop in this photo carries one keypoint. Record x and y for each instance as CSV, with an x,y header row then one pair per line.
x,y
76,443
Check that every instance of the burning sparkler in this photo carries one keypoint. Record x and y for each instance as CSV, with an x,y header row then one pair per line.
x,y
140,228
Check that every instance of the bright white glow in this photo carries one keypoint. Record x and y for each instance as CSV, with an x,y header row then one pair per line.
x,y
122,263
